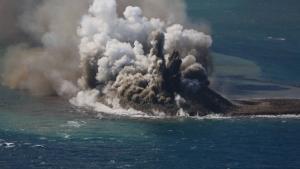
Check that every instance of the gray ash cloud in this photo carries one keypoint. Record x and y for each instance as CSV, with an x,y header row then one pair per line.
x,y
104,51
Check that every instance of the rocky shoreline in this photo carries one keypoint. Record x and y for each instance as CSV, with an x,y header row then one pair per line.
x,y
210,102
265,107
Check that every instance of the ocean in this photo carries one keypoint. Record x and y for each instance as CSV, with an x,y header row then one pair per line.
x,y
266,32
256,54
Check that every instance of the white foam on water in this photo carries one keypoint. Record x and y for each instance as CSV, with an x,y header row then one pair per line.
x,y
38,146
212,117
9,145
88,99
223,117
66,136
74,124
276,38
287,116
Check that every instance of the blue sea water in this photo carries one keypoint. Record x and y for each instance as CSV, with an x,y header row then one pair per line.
x,y
266,32
48,133
174,144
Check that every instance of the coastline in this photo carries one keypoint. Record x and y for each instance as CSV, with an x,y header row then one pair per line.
x,y
258,107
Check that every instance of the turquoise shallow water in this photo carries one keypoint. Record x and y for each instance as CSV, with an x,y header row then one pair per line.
x,y
48,133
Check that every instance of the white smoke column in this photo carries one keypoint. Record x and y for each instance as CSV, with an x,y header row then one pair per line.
x,y
118,47
46,31
105,35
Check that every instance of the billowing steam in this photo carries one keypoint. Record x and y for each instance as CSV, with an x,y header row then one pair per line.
x,y
108,52
137,59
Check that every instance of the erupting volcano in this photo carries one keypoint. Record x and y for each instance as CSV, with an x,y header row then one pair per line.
x,y
119,57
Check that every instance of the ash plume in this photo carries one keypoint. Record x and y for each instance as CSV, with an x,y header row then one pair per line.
x,y
44,60
41,38
104,52
138,59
